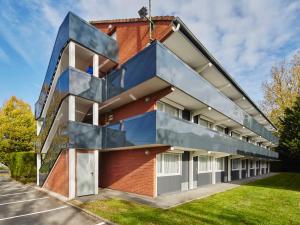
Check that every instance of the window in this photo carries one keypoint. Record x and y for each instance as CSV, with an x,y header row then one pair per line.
x,y
235,135
235,164
205,123
204,164
220,129
219,164
251,164
244,138
170,110
168,164
257,164
244,164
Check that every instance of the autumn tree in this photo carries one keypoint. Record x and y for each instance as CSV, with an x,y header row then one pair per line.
x,y
17,128
289,142
282,90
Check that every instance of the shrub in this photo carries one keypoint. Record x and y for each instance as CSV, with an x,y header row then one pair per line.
x,y
22,166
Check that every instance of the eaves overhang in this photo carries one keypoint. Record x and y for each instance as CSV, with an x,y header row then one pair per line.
x,y
186,31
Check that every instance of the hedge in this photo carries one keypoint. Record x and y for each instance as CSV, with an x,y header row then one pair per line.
x,y
22,166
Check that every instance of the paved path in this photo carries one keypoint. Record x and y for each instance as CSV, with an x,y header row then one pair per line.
x,y
21,204
173,199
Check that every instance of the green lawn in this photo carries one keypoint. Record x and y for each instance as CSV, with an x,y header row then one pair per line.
x,y
274,200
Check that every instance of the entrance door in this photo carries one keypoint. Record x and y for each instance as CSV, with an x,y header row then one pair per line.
x,y
85,174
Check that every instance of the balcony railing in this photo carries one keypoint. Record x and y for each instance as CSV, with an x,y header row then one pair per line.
x,y
157,61
72,82
159,128
70,135
75,29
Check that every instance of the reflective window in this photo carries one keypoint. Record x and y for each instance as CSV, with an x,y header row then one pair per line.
x,y
220,164
204,164
235,164
168,164
205,123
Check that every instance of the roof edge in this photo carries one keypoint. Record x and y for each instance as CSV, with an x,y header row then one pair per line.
x,y
132,20
213,60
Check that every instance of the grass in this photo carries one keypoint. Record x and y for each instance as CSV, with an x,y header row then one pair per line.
x,y
274,200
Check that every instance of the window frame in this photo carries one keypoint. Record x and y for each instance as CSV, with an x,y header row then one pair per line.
x,y
245,167
223,164
209,161
238,164
163,174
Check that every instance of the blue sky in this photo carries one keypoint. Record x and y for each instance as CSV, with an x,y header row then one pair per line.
x,y
247,37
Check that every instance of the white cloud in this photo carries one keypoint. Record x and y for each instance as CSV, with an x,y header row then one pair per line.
x,y
247,37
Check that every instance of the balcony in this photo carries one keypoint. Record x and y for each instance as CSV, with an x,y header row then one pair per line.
x,y
158,128
82,33
70,135
159,67
71,82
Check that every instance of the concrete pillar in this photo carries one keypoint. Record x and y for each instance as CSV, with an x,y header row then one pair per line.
x,y
191,169
240,168
213,169
260,166
229,169
72,153
38,166
72,54
95,114
96,171
38,126
254,167
96,65
248,173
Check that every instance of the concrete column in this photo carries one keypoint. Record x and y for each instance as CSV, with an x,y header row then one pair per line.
x,y
96,171
96,65
38,166
260,166
248,174
213,168
38,126
254,167
240,169
72,108
269,166
72,54
95,114
72,153
191,176
229,169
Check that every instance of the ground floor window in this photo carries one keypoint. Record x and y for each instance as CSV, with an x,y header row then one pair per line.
x,y
219,164
168,164
204,164
244,164
235,164
251,164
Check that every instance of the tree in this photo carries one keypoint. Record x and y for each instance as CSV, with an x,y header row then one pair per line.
x,y
281,92
289,143
17,128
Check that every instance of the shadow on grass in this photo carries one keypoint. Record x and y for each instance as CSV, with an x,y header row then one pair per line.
x,y
283,181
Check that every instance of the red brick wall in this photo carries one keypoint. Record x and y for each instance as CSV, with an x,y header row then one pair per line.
x,y
130,170
134,36
58,179
137,107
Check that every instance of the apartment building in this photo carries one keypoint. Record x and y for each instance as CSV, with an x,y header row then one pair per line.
x,y
150,117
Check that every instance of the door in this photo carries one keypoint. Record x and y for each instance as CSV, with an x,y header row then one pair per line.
x,y
85,174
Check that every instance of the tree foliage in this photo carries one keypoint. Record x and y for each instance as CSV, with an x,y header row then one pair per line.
x,y
281,92
290,134
17,128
